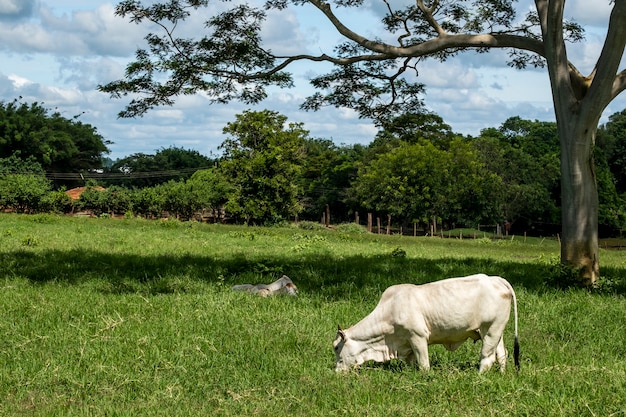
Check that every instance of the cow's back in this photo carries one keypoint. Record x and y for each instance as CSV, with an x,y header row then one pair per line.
x,y
451,305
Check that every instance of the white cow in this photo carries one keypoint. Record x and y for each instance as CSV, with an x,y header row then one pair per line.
x,y
410,317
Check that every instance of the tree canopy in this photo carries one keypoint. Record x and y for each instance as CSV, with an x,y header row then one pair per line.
x,y
612,142
57,143
377,78
328,172
173,163
262,161
508,173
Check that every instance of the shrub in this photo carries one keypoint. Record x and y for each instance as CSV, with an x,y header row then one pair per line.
x,y
307,225
178,200
56,202
351,228
149,202
118,199
22,192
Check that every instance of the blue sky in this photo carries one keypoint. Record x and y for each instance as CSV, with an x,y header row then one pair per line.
x,y
56,52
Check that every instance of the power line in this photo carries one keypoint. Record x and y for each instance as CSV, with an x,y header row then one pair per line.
x,y
81,176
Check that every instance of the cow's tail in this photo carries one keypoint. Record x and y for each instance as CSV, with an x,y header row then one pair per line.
x,y
516,341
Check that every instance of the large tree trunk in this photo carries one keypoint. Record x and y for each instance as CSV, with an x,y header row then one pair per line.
x,y
579,199
579,102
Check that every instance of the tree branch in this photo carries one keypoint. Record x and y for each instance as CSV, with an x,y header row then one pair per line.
x,y
619,85
419,50
602,92
433,45
407,31
428,13
551,18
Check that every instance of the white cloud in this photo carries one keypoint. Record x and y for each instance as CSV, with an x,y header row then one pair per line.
x,y
26,37
12,9
451,74
88,73
79,33
167,115
18,81
589,12
282,33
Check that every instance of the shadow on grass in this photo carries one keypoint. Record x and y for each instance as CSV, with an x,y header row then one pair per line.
x,y
397,365
317,274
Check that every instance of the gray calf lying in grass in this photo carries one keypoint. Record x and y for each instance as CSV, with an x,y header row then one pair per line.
x,y
284,285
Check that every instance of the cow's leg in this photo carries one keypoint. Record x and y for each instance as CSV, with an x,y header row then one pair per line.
x,y
501,355
419,344
488,352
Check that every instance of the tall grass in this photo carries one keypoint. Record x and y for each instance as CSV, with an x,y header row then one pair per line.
x,y
132,317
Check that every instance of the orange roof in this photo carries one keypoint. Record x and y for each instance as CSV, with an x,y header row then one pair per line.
x,y
75,193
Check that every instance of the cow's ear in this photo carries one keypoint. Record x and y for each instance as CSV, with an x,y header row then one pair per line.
x,y
341,333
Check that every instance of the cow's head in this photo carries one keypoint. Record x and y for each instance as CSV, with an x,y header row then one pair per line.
x,y
290,289
287,286
345,356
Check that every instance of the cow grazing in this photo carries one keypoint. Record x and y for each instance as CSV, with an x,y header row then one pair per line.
x,y
409,318
283,285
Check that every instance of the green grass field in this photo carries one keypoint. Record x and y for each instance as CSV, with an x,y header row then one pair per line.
x,y
134,317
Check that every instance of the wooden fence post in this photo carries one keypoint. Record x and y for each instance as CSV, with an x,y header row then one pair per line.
x,y
389,224
369,222
327,215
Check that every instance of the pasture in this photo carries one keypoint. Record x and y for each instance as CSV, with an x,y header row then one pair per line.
x,y
133,317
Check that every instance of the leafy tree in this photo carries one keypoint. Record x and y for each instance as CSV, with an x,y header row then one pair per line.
x,y
466,200
528,168
327,172
14,164
23,185
210,188
409,182
611,215
611,142
262,159
537,139
57,143
373,76
173,163
344,172
474,191
412,127
418,182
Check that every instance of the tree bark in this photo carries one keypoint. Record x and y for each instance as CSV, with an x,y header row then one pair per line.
x,y
578,103
579,201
